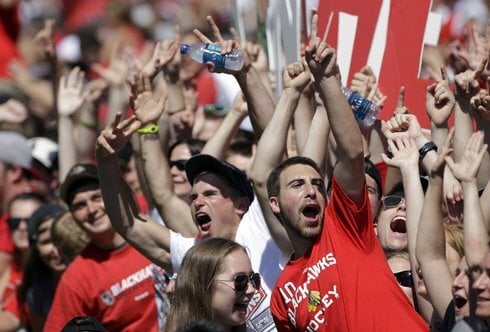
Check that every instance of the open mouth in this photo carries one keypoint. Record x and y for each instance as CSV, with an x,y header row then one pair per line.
x,y
241,306
204,221
459,302
311,211
399,225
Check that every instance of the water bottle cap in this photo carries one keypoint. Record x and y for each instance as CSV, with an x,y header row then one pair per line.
x,y
184,48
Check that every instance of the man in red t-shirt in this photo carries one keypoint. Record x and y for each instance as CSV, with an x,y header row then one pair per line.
x,y
109,280
338,278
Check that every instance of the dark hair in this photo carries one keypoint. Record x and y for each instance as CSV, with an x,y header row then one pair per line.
x,y
194,145
83,324
242,148
273,184
201,325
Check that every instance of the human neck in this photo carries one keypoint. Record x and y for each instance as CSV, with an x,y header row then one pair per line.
x,y
110,240
300,245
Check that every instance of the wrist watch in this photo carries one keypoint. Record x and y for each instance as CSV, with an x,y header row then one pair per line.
x,y
429,146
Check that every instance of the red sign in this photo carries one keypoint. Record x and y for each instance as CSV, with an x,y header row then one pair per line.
x,y
403,46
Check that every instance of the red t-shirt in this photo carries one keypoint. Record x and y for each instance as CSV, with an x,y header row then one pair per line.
x,y
6,243
115,287
343,283
10,293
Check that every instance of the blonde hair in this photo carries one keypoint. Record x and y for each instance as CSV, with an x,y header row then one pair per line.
x,y
454,237
68,237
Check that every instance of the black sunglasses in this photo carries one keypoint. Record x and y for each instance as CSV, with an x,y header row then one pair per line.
x,y
15,222
404,278
180,164
391,201
241,281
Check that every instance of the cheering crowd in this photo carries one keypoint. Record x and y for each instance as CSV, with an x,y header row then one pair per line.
x,y
141,190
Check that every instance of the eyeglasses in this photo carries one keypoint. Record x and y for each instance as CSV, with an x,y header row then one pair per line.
x,y
180,164
392,201
15,222
404,278
241,281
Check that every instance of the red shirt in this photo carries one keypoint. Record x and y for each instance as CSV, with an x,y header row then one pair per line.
x,y
115,287
343,283
6,243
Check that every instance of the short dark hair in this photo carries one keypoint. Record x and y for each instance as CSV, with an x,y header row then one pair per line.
x,y
273,179
194,145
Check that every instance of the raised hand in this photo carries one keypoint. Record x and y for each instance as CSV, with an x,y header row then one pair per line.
x,y
363,81
466,168
115,136
477,51
481,102
147,109
94,89
467,81
163,53
172,67
13,111
404,151
321,58
439,100
401,108
44,39
226,45
256,54
402,125
296,76
118,69
70,92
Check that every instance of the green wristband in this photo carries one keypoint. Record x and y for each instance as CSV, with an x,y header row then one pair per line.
x,y
149,129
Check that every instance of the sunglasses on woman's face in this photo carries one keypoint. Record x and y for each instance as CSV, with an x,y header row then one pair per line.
x,y
404,278
15,222
180,164
241,281
391,201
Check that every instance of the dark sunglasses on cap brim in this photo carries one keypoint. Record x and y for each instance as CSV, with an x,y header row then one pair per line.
x,y
180,164
241,281
404,278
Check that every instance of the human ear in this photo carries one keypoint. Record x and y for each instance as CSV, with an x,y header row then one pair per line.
x,y
274,204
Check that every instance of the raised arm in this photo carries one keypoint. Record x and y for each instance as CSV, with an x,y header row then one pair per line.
x,y
175,212
272,146
439,105
316,145
431,243
475,232
69,101
147,236
349,170
259,101
218,144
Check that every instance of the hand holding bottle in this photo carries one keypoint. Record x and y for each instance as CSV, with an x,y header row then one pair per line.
x,y
225,47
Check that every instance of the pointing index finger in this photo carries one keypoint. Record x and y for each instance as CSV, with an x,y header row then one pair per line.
x,y
401,97
314,27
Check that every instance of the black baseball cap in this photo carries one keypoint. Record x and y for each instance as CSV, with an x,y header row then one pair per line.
x,y
78,175
205,163
43,213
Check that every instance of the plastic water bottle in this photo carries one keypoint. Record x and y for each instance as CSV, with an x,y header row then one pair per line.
x,y
365,111
205,52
